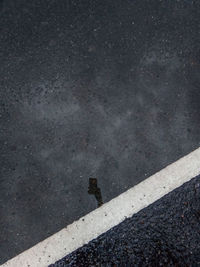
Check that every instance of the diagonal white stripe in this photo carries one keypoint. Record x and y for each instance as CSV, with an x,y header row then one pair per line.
x,y
110,214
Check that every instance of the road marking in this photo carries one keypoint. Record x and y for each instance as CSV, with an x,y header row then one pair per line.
x,y
110,214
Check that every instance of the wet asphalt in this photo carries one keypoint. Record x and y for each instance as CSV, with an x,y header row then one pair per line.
x,y
164,234
90,89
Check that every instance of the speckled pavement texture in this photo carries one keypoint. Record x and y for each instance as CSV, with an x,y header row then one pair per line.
x,y
164,234
90,88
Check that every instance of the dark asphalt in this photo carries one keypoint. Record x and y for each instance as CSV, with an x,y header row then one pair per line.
x,y
90,89
164,234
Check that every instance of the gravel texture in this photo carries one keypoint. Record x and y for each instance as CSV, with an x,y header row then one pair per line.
x,y
164,234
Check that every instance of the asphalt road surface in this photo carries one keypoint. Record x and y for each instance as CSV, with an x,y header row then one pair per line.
x,y
90,89
164,234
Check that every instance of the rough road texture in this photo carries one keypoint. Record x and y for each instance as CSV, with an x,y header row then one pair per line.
x,y
167,233
90,88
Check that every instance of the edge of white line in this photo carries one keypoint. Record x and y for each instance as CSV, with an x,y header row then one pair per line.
x,y
110,214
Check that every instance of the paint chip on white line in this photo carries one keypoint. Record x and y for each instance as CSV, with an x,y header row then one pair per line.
x,y
110,214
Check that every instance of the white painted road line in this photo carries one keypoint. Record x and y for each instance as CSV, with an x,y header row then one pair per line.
x,y
110,214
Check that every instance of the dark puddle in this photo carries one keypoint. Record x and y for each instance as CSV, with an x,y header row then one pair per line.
x,y
93,189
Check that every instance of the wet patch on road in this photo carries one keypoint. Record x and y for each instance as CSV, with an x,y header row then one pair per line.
x,y
93,189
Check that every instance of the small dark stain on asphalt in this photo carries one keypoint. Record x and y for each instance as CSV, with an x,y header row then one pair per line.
x,y
93,189
13,148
